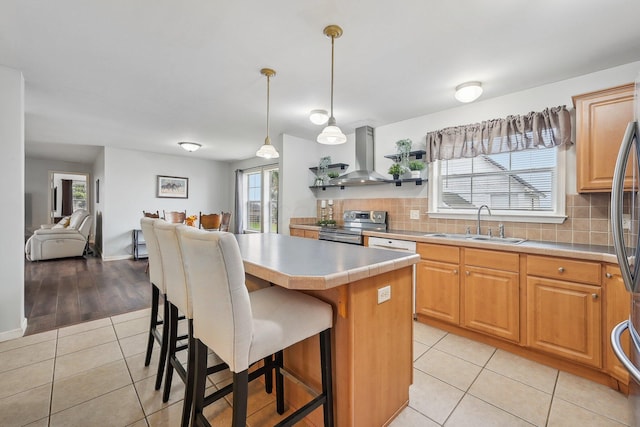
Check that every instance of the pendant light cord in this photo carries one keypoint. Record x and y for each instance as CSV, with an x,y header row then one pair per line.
x,y
268,81
332,43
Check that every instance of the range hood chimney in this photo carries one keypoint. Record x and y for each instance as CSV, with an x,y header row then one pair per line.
x,y
364,173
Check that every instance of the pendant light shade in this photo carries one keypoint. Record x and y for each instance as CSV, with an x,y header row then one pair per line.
x,y
332,135
268,151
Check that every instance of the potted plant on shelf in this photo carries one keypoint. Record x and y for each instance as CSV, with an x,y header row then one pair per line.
x,y
403,148
415,167
396,170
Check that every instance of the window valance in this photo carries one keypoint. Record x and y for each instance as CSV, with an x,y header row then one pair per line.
x,y
544,129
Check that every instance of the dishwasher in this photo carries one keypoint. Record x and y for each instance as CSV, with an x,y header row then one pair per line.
x,y
400,246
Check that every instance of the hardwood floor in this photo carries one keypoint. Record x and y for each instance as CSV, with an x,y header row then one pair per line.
x,y
66,291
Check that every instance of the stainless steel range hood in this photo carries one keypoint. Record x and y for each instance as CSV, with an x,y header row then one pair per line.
x,y
364,173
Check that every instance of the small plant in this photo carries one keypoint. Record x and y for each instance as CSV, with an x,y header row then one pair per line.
x,y
326,223
403,146
333,174
416,165
396,170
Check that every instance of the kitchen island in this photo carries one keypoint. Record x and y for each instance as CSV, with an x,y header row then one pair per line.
x,y
372,340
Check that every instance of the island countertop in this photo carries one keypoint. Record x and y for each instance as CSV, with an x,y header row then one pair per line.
x,y
297,263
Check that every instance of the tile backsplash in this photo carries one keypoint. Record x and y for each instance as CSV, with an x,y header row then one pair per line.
x,y
587,219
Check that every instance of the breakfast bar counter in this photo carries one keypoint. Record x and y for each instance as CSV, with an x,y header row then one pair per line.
x,y
370,291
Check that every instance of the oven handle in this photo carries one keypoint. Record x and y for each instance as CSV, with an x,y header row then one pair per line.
x,y
394,248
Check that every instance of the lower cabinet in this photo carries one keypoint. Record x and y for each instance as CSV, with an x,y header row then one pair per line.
x,y
438,282
565,317
299,232
617,308
491,294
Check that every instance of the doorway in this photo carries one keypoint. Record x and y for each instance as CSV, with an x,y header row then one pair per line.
x,y
69,191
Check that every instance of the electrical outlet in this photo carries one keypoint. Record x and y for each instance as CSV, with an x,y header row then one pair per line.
x,y
626,222
384,294
414,214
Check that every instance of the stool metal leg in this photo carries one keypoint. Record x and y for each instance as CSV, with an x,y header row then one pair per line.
x,y
279,382
164,345
189,386
327,374
155,297
199,386
172,324
240,397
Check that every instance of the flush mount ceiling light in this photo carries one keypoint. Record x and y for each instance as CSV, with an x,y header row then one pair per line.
x,y
268,151
468,92
318,117
332,135
189,146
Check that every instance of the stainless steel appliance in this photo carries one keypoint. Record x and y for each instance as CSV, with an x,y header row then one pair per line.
x,y
628,255
354,223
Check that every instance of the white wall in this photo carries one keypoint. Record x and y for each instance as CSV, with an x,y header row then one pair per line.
x,y
129,187
12,173
37,187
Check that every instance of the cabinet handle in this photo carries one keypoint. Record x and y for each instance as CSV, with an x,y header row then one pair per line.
x,y
608,275
467,273
594,296
561,270
455,271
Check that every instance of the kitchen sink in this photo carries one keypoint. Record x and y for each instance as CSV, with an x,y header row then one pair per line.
x,y
477,237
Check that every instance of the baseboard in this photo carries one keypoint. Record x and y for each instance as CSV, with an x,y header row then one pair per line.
x,y
117,257
15,333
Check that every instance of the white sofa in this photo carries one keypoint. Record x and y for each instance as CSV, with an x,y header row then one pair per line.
x,y
67,238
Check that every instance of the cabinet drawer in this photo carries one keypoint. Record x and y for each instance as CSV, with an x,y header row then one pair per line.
x,y
564,269
442,253
505,261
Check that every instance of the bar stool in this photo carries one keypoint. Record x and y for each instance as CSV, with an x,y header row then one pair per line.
x,y
178,298
156,276
248,326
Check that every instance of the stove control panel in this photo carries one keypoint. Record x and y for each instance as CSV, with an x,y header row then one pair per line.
x,y
367,217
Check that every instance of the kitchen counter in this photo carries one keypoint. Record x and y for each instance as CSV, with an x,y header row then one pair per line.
x,y
372,333
312,264
586,252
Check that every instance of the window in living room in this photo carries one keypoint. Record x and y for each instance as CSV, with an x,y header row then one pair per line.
x,y
261,200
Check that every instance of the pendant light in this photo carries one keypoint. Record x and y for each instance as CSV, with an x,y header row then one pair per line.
x,y
268,151
332,135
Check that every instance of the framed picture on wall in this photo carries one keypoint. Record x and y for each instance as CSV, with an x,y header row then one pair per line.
x,y
173,187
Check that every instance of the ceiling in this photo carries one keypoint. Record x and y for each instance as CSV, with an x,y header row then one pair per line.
x,y
146,74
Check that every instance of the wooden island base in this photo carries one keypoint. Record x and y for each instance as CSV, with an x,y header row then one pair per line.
x,y
373,348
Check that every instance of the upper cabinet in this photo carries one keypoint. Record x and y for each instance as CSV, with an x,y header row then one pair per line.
x,y
601,120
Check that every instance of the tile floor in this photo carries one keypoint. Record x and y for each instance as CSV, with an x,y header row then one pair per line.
x,y
93,374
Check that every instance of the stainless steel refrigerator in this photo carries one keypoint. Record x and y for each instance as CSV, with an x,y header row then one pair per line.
x,y
627,246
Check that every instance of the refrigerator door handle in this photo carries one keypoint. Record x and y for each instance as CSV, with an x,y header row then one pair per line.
x,y
619,352
617,190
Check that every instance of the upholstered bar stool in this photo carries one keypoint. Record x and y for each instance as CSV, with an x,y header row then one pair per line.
x,y
156,276
178,298
243,327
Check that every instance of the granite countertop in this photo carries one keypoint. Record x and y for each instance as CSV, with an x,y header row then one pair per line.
x,y
569,250
296,263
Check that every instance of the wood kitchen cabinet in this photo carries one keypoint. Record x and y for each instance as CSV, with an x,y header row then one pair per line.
x,y
299,232
490,293
617,308
438,282
564,308
601,120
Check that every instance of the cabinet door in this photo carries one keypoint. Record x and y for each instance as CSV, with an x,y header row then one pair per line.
x,y
601,119
438,290
491,302
617,308
311,234
564,318
296,232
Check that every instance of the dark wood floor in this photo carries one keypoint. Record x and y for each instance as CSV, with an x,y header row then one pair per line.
x,y
67,291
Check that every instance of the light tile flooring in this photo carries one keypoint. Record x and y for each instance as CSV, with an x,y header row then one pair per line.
x,y
93,374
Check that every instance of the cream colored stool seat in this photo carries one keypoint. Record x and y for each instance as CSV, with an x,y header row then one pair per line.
x,y
243,328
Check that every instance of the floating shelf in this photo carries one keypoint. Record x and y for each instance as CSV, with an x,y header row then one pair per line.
x,y
399,182
418,154
342,166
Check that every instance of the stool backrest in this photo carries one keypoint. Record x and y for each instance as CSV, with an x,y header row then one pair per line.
x,y
172,265
156,274
210,221
175,217
222,317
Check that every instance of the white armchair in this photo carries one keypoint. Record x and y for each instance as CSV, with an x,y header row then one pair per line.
x,y
67,238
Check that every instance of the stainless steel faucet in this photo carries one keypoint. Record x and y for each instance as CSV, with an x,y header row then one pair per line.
x,y
479,209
